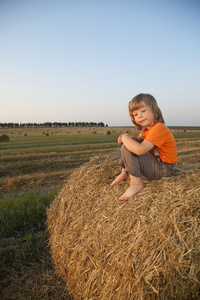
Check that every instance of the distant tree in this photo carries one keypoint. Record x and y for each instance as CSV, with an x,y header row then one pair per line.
x,y
29,125
50,124
47,124
101,124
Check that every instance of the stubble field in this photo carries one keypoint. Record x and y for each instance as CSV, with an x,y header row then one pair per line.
x,y
34,166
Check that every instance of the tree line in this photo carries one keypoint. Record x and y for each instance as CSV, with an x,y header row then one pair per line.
x,y
52,124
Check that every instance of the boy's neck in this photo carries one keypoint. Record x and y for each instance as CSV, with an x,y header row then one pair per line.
x,y
148,127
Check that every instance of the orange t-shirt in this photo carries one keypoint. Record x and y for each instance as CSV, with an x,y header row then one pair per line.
x,y
163,140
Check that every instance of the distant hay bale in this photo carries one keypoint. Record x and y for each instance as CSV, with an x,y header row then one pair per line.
x,y
108,132
4,138
143,248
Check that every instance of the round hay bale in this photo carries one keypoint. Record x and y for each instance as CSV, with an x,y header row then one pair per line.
x,y
4,138
108,132
143,248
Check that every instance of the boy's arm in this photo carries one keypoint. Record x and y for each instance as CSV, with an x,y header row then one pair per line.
x,y
134,146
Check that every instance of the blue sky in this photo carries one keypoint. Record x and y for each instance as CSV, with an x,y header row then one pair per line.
x,y
83,61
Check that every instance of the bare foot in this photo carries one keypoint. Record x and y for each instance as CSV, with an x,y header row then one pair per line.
x,y
122,176
131,191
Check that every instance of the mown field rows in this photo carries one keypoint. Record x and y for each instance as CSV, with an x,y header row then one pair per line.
x,y
48,158
33,169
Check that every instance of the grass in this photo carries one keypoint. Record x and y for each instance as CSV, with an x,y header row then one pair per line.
x,y
23,213
27,271
33,169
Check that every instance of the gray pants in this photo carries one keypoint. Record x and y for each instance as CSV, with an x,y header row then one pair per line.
x,y
147,165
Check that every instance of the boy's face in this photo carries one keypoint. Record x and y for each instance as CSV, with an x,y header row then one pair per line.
x,y
143,116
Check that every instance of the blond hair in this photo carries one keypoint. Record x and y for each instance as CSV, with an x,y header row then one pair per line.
x,y
147,99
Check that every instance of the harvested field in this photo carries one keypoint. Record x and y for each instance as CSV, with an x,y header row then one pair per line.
x,y
35,168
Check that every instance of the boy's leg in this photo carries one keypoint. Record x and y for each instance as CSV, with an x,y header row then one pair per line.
x,y
135,187
130,164
121,177
146,165
136,166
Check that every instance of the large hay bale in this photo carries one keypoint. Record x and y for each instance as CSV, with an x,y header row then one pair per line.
x,y
108,132
4,138
143,248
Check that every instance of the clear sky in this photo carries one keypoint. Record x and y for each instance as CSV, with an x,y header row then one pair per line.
x,y
84,60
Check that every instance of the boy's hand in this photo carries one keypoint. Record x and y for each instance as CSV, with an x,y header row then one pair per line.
x,y
120,140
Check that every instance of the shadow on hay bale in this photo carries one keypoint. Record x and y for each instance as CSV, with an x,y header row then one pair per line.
x,y
144,248
4,138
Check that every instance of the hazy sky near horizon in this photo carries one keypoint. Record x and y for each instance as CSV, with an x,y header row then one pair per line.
x,y
83,61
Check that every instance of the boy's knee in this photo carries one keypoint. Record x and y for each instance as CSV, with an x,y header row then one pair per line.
x,y
124,149
125,152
